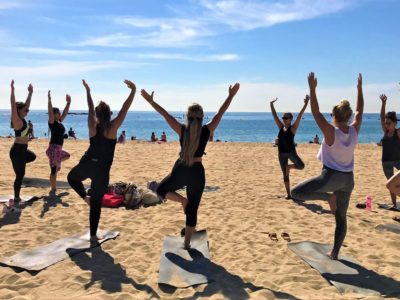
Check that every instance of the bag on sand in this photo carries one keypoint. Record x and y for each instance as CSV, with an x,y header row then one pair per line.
x,y
112,200
132,197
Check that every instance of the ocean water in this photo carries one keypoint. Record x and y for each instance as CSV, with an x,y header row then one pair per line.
x,y
234,127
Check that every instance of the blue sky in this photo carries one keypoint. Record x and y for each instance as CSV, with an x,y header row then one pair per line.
x,y
190,51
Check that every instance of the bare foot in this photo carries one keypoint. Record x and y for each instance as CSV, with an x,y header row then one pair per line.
x,y
332,203
333,256
184,204
186,247
95,238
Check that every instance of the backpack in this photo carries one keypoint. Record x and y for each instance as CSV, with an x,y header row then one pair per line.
x,y
132,197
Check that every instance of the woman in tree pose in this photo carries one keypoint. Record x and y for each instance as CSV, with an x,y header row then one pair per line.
x,y
286,146
188,170
390,144
19,153
336,153
96,162
55,150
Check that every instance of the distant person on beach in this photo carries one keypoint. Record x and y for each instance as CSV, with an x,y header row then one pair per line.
x,y
211,138
122,138
96,162
71,133
336,153
19,153
188,169
30,130
316,139
286,145
163,137
55,151
153,137
390,144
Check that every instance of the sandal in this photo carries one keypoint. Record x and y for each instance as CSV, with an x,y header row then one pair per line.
x,y
286,237
273,236
397,219
361,205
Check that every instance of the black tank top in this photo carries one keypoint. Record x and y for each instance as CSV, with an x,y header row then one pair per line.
x,y
204,136
23,131
286,140
391,147
101,149
57,130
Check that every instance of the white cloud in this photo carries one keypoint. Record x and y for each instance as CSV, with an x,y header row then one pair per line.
x,y
9,5
247,15
198,58
50,51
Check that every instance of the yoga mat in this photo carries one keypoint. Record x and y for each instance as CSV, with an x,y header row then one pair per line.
x,y
6,198
207,188
44,256
183,268
389,206
45,183
395,228
345,274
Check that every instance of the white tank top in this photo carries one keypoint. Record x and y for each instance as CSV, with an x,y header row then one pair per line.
x,y
340,156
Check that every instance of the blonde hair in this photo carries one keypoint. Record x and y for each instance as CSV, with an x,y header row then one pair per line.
x,y
342,111
191,136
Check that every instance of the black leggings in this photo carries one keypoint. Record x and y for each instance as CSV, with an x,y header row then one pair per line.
x,y
194,179
284,160
20,156
99,173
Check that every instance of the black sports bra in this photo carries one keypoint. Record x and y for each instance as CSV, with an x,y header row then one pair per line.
x,y
23,132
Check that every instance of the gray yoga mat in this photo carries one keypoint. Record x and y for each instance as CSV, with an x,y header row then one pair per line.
x,y
395,228
44,256
25,198
183,268
45,183
345,274
389,206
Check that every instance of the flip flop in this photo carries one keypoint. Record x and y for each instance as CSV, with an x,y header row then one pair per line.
x,y
397,219
361,205
286,236
273,236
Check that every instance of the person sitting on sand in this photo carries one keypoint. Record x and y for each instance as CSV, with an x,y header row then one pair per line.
x,y
390,144
336,153
163,137
153,137
316,139
71,133
122,138
188,170
286,145
97,160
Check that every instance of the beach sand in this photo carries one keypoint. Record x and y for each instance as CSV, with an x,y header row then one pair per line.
x,y
249,204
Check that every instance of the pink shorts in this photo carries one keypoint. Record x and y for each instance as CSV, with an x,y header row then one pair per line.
x,y
56,154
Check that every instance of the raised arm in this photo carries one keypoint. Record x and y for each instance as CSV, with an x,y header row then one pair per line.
x,y
300,115
327,129
66,108
119,119
360,105
91,112
273,111
383,111
16,121
213,124
29,98
172,122
50,108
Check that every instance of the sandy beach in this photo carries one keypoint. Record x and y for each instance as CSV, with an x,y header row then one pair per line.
x,y
249,203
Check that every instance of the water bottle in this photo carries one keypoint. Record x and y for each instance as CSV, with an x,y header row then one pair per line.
x,y
368,203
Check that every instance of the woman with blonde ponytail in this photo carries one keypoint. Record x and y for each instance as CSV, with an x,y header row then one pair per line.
x,y
188,169
336,181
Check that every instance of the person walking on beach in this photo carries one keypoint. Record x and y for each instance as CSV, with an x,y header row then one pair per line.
x,y
336,181
390,144
55,151
96,162
19,153
31,136
286,146
188,170
71,133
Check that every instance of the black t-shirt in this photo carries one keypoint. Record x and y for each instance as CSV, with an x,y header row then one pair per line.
x,y
286,140
204,136
57,130
391,147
